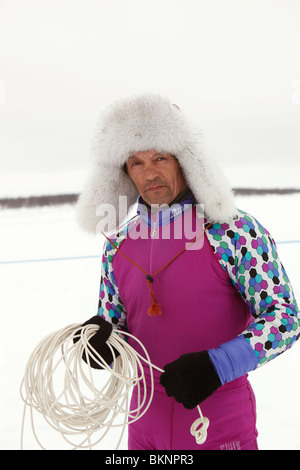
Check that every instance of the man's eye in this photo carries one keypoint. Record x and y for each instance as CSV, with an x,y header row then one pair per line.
x,y
135,163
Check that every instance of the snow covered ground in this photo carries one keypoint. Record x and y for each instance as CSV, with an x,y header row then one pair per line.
x,y
38,297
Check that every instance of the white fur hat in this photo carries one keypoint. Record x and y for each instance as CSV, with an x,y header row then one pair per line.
x,y
149,122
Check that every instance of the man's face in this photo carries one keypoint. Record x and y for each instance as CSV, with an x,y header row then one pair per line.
x,y
157,177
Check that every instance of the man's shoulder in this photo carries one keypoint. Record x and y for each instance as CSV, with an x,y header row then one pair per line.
x,y
241,230
114,239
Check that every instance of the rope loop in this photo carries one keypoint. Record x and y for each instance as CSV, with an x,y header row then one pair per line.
x,y
73,398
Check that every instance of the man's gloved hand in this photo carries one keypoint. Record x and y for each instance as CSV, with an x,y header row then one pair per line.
x,y
98,342
190,379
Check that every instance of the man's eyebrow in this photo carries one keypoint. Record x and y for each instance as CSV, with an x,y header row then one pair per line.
x,y
159,153
132,157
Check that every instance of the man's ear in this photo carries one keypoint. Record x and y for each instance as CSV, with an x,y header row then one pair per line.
x,y
125,168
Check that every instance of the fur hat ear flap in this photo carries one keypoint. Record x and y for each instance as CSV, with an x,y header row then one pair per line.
x,y
147,122
208,184
98,208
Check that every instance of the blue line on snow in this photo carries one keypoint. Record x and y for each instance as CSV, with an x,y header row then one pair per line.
x,y
41,260
287,241
47,259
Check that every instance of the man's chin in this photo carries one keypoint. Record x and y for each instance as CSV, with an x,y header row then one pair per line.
x,y
158,197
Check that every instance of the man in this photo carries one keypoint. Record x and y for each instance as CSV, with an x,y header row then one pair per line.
x,y
196,280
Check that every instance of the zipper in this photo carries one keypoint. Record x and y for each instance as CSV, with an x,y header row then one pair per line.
x,y
154,224
153,234
153,230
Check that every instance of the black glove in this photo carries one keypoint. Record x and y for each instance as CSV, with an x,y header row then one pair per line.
x,y
190,379
98,342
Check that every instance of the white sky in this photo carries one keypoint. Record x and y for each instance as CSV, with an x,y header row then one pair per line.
x,y
232,65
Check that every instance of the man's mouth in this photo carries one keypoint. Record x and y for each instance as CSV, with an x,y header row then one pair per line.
x,y
155,188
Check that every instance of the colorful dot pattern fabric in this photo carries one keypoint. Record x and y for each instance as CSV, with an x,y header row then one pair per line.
x,y
248,253
110,306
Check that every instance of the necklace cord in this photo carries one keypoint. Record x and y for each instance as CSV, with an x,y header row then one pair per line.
x,y
154,308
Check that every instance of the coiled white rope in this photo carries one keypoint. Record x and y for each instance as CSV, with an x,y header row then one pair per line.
x,y
61,387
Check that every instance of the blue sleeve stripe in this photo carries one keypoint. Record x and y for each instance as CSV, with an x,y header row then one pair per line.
x,y
233,359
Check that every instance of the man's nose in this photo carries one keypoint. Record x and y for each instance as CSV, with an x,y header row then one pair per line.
x,y
151,172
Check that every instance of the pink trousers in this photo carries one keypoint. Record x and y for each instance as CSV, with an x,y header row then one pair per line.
x,y
166,425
